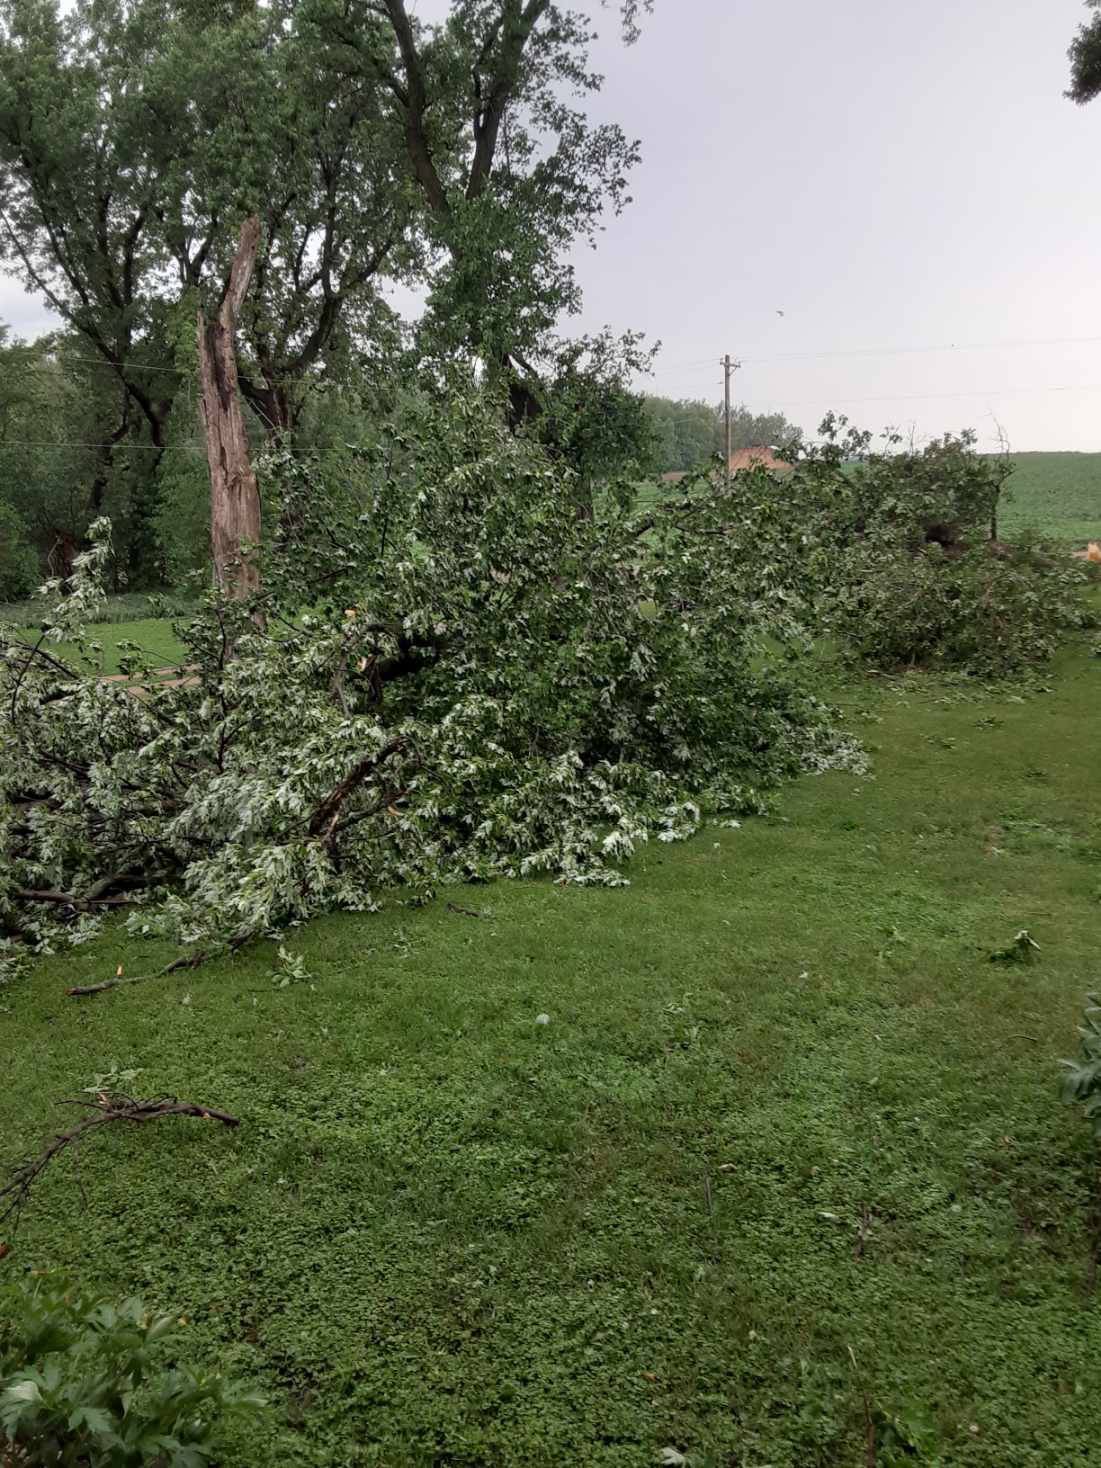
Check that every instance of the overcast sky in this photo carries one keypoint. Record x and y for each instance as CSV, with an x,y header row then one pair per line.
x,y
894,177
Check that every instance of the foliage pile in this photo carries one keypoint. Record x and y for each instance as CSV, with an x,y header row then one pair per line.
x,y
82,1382
903,545
491,685
986,614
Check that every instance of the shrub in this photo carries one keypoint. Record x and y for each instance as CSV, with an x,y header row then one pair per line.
x,y
82,1383
897,497
984,613
898,542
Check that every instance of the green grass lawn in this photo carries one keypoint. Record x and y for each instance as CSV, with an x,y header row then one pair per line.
x,y
785,1109
125,619
153,635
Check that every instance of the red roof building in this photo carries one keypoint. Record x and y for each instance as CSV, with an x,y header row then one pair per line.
x,y
754,458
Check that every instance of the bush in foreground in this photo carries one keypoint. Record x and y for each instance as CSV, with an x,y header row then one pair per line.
x,y
84,1382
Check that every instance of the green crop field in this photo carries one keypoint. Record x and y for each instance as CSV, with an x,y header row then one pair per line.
x,y
1058,494
788,1149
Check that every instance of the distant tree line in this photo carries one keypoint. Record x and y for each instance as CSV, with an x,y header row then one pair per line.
x,y
687,432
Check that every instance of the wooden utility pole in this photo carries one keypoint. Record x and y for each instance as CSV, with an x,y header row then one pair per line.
x,y
234,493
727,369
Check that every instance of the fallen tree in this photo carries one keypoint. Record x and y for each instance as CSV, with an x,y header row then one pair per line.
x,y
484,686
902,544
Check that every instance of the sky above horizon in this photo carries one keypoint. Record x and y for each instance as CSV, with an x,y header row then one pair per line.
x,y
882,209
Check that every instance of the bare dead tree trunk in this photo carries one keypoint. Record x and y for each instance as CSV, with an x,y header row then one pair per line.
x,y
234,493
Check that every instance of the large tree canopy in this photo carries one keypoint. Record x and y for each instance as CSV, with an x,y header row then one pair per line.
x,y
136,135
509,170
86,153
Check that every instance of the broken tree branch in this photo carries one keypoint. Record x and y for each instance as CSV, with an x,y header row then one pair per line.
x,y
70,899
325,816
465,911
188,961
14,1193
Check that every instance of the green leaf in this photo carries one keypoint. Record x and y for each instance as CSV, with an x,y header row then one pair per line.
x,y
95,1419
21,1393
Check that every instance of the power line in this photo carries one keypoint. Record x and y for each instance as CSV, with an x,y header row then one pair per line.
x,y
996,392
1051,341
1012,345
120,447
697,362
41,363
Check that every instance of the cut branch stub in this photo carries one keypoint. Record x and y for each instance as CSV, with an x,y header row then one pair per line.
x,y
234,493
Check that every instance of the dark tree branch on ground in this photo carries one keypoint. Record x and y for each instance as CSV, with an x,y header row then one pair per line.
x,y
108,1108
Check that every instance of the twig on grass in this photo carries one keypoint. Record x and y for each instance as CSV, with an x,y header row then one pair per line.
x,y
188,961
466,911
862,1230
108,1108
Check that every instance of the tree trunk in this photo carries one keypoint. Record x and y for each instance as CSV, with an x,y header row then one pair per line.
x,y
234,493
274,405
106,460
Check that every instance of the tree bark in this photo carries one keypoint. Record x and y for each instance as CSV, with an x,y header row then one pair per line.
x,y
273,405
234,493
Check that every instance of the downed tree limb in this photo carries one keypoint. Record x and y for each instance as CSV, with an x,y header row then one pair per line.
x,y
108,1109
70,899
465,911
325,817
188,961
